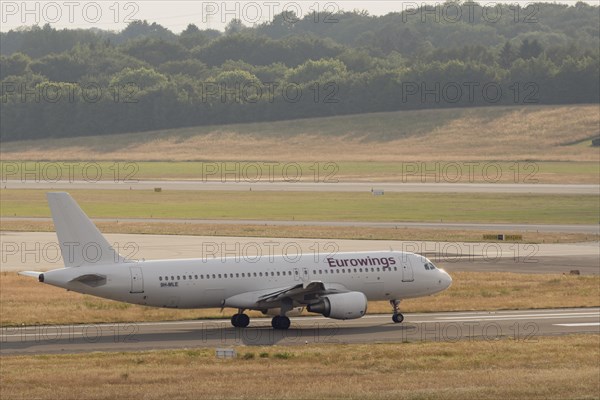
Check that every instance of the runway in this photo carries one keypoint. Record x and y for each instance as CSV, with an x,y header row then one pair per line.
x,y
303,186
39,251
523,325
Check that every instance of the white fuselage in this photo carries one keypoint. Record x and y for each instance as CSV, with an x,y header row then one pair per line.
x,y
199,283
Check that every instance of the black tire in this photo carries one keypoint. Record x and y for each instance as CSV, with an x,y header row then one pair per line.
x,y
240,320
275,322
284,323
280,322
243,320
397,318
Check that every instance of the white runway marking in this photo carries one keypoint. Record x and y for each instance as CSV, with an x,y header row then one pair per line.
x,y
580,324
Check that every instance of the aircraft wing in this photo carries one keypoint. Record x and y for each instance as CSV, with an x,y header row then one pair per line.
x,y
300,294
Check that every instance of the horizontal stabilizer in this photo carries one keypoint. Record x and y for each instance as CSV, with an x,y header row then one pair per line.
x,y
31,274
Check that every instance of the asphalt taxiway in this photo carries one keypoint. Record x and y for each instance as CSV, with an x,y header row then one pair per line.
x,y
523,325
39,251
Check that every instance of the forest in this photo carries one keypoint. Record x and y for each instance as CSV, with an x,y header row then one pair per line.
x,y
79,82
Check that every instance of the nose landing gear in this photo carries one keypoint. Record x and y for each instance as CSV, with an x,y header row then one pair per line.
x,y
397,316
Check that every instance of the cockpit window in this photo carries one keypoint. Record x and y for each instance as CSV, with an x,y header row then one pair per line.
x,y
429,265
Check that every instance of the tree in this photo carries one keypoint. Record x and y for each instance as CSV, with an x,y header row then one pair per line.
x,y
155,51
16,64
506,56
234,26
142,78
318,71
529,49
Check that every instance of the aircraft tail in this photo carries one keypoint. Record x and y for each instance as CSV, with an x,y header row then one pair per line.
x,y
81,243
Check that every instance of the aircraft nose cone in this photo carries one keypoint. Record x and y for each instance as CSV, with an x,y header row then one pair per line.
x,y
446,280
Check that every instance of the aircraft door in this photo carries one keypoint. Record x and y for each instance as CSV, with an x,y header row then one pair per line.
x,y
407,271
296,274
305,275
137,280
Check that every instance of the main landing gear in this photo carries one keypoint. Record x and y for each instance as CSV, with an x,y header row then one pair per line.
x,y
397,317
240,320
280,322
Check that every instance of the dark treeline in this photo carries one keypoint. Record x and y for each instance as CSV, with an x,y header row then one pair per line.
x,y
88,82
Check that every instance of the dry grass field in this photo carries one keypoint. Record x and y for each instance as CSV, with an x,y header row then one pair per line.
x,y
532,133
541,368
23,300
303,231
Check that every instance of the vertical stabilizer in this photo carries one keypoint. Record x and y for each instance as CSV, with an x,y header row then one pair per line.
x,y
81,243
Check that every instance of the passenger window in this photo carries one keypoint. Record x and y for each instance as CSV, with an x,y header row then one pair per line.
x,y
255,274
195,276
314,272
243,274
377,269
184,277
278,273
160,278
360,270
354,270
219,276
272,273
178,277
201,276
395,268
214,276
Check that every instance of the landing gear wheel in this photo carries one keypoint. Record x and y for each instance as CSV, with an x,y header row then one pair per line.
x,y
280,322
397,318
240,320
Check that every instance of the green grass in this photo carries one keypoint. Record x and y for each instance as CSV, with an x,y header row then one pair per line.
x,y
321,206
460,171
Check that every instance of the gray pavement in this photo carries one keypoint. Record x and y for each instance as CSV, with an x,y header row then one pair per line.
x,y
523,325
39,251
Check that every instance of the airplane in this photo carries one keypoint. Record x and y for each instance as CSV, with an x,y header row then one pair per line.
x,y
337,286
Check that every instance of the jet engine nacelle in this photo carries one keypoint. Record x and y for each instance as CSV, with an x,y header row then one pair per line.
x,y
349,305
